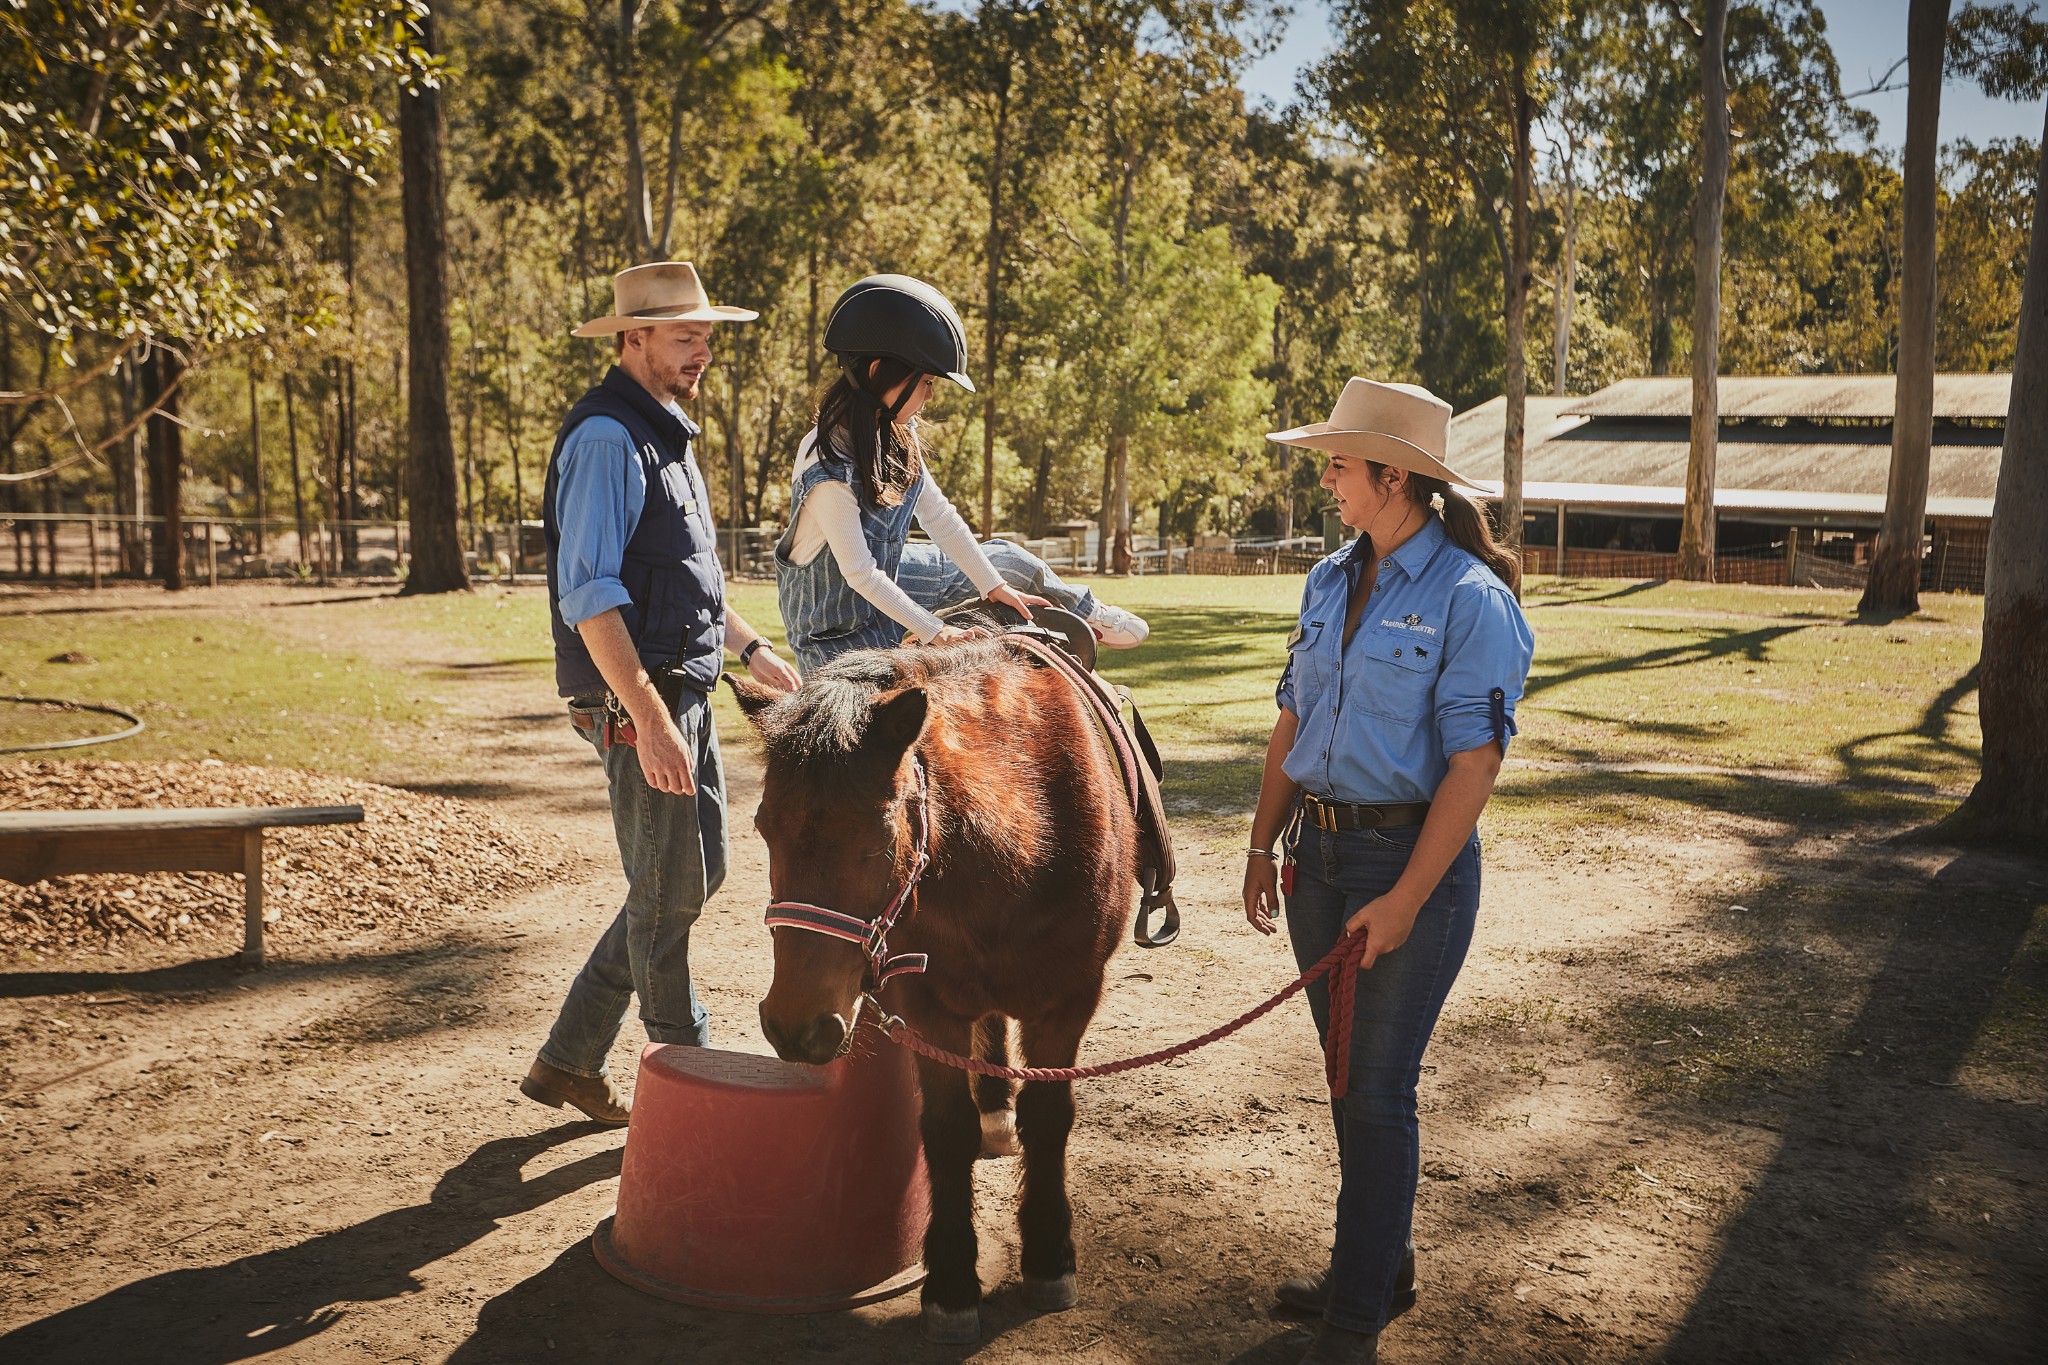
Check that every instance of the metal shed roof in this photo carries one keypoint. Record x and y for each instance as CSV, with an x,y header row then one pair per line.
x,y
1801,464
1858,397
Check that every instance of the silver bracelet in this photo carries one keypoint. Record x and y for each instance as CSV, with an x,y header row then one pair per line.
x,y
1263,853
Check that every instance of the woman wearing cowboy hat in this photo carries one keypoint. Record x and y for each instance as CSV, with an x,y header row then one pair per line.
x,y
1396,706
846,576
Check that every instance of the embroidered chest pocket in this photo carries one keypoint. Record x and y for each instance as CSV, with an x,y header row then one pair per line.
x,y
1396,674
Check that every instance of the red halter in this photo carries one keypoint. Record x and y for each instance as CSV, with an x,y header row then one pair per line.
x,y
872,937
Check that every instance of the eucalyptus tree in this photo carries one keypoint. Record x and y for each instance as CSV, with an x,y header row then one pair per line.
x,y
436,562
1470,79
2006,50
139,148
1894,582
1696,536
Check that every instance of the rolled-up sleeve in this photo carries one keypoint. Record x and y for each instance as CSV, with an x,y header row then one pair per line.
x,y
599,491
1487,647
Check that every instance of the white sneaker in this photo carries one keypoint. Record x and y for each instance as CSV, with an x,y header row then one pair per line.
x,y
1116,627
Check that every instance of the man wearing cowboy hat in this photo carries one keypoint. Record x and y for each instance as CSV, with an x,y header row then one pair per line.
x,y
641,624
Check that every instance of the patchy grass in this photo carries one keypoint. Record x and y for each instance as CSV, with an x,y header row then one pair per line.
x,y
1813,715
210,684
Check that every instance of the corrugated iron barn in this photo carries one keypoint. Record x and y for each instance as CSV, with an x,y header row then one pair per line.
x,y
1801,476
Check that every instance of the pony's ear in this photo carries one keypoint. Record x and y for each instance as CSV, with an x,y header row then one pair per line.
x,y
752,697
898,719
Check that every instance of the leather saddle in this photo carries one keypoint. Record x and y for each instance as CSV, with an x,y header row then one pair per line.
x,y
1058,639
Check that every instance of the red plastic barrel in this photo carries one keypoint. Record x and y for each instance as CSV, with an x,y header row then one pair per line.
x,y
768,1187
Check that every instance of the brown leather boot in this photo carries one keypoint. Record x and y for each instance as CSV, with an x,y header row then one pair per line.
x,y
594,1095
1310,1294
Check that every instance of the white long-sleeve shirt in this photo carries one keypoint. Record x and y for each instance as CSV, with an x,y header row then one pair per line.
x,y
830,518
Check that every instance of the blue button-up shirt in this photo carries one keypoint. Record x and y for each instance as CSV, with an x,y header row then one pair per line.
x,y
1380,716
600,490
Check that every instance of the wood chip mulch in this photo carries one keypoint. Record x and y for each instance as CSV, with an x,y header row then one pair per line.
x,y
414,863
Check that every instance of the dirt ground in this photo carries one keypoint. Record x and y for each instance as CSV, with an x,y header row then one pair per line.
x,y
1743,1092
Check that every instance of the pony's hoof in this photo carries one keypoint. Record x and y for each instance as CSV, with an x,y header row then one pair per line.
x,y
951,1326
1051,1296
999,1133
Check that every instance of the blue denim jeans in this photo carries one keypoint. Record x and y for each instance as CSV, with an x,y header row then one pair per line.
x,y
935,582
673,849
1393,1013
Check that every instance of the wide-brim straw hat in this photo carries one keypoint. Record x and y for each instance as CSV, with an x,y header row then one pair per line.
x,y
1403,425
666,291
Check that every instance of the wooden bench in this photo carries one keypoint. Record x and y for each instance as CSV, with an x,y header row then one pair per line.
x,y
35,844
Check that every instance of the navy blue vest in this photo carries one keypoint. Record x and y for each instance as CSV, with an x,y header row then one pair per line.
x,y
670,570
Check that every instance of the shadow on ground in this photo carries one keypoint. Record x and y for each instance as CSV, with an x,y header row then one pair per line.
x,y
257,1304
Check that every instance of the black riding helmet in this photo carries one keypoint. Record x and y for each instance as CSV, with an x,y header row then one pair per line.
x,y
902,318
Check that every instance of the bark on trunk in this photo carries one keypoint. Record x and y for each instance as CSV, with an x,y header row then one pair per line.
x,y
430,465
1515,306
994,297
1696,536
1894,583
167,465
2010,801
1567,286
1105,523
1121,500
291,432
256,458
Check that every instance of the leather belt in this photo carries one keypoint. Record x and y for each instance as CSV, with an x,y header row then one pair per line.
x,y
1335,815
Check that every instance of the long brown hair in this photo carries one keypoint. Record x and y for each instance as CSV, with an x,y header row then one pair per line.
x,y
1467,524
852,417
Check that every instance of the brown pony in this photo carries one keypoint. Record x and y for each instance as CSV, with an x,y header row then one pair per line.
x,y
1031,844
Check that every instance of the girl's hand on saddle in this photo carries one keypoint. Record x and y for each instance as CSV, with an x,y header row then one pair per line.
x,y
1019,602
1261,893
954,635
1385,921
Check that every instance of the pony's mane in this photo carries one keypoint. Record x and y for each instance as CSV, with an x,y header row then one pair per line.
x,y
823,721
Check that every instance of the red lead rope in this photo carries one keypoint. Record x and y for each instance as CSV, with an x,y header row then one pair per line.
x,y
1336,1047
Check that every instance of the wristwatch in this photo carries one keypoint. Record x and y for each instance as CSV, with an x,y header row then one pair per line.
x,y
758,642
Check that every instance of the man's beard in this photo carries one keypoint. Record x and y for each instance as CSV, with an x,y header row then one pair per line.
x,y
681,387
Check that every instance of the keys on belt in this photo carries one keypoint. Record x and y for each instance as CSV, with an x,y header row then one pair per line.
x,y
1338,815
605,712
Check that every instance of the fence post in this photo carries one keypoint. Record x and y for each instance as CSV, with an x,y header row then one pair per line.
x,y
92,549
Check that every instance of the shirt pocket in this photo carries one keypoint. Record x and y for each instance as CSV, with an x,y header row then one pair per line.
x,y
1304,667
1395,679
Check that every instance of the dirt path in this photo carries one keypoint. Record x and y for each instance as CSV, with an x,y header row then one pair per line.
x,y
1745,1094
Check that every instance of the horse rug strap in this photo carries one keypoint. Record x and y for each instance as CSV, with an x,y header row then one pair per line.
x,y
1137,759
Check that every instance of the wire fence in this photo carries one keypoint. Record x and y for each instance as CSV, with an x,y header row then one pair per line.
x,y
94,548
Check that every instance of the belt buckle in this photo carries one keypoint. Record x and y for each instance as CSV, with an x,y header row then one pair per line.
x,y
1321,815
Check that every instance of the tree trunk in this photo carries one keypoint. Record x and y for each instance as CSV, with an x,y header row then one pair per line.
x,y
291,432
167,464
1120,445
1105,523
2010,800
1567,284
1040,481
430,464
994,248
1894,584
256,458
1696,537
346,506
129,474
1515,306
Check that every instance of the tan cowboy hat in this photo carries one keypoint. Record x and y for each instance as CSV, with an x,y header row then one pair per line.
x,y
1403,425
666,291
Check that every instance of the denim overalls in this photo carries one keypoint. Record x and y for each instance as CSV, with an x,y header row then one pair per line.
x,y
824,616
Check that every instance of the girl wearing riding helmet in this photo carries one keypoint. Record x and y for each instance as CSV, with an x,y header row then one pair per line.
x,y
846,575
1395,711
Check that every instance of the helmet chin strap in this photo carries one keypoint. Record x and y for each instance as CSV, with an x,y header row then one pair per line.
x,y
859,375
